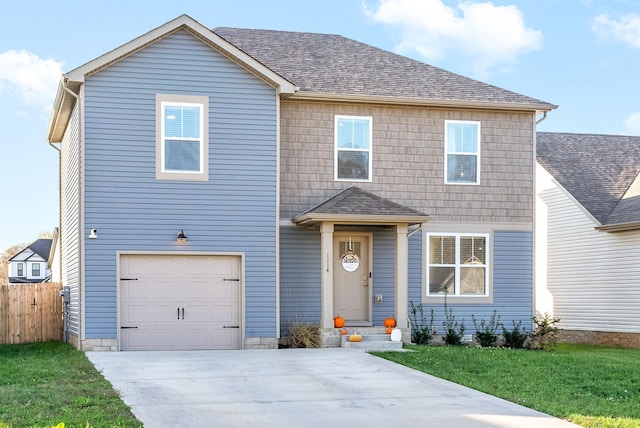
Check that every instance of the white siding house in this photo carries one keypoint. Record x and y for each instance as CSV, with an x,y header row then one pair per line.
x,y
587,238
30,264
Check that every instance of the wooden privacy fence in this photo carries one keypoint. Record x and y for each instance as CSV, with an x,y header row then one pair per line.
x,y
30,313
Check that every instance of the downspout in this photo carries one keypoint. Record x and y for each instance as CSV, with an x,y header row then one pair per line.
x,y
80,218
544,116
65,321
535,197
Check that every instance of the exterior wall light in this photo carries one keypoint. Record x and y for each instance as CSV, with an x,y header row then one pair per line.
x,y
181,237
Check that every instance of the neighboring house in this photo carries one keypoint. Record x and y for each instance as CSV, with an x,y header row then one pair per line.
x,y
220,185
29,266
588,236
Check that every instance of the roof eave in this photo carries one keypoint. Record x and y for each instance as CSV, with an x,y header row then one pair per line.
x,y
619,227
312,219
374,99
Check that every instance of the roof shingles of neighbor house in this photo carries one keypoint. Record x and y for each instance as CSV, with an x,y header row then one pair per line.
x,y
333,64
599,171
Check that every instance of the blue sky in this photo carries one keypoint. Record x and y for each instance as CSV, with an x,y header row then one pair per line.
x,y
583,55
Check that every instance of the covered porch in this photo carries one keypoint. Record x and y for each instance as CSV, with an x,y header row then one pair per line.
x,y
346,223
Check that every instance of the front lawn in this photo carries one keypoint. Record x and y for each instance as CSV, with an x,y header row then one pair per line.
x,y
589,385
46,384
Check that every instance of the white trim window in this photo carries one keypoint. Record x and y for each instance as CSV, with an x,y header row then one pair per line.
x,y
457,264
35,270
20,269
353,141
182,137
462,152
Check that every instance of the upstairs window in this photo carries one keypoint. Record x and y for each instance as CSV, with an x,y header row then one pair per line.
x,y
353,148
457,265
462,157
20,269
35,269
182,142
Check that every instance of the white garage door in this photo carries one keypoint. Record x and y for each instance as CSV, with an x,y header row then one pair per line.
x,y
177,302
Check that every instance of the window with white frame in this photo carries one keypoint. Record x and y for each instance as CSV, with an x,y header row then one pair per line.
x,y
353,136
20,269
462,147
35,269
457,264
182,143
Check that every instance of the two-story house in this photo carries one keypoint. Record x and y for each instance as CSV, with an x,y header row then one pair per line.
x,y
220,185
30,265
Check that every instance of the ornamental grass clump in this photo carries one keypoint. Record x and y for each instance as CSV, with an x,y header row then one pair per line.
x,y
304,335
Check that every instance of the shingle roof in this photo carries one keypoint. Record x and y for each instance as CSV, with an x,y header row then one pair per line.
x,y
359,205
333,64
42,247
597,170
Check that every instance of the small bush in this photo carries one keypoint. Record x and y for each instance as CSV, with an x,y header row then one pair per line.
x,y
545,334
304,335
515,338
453,330
486,332
421,332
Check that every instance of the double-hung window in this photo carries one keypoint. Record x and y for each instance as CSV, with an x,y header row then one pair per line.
x,y
457,264
462,147
182,137
20,269
353,148
35,269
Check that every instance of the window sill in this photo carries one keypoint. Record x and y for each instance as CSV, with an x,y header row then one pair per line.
x,y
468,300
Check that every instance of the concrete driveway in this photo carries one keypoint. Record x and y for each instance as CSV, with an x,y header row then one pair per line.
x,y
298,388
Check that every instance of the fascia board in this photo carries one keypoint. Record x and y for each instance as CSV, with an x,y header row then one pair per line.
x,y
199,30
320,96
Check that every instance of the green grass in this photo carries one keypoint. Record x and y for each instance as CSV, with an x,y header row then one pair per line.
x,y
589,385
45,384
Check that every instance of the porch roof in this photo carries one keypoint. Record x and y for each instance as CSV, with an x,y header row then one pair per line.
x,y
357,206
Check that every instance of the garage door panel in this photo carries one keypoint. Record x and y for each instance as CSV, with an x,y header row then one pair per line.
x,y
159,286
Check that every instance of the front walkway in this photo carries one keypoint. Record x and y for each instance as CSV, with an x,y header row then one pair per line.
x,y
298,388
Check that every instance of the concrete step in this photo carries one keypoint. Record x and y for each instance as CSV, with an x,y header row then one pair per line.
x,y
372,342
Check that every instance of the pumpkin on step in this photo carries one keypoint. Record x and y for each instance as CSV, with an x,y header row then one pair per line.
x,y
355,338
338,322
390,322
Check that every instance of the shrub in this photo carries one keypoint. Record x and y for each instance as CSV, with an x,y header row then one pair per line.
x,y
545,334
516,337
486,332
304,335
453,330
421,332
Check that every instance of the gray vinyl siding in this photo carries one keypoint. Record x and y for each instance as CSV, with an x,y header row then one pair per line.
x,y
234,211
408,161
384,272
512,283
70,210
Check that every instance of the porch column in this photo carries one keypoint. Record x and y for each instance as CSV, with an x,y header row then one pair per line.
x,y
326,251
402,276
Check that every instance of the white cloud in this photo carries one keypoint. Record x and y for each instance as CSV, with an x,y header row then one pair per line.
x,y
625,30
29,77
488,36
633,123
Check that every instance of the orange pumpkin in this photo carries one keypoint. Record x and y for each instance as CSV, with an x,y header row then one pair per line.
x,y
338,322
355,338
390,322
343,332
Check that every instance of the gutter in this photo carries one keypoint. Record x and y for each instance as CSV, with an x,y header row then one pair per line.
x,y
541,107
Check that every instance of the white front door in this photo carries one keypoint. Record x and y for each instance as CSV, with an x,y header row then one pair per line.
x,y
352,278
